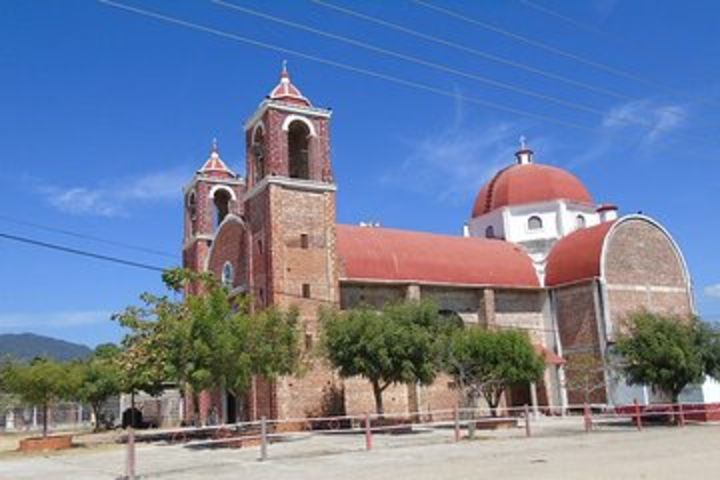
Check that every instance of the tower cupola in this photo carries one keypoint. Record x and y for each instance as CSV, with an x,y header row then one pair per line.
x,y
286,91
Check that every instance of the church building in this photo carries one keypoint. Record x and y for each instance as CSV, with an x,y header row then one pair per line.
x,y
538,253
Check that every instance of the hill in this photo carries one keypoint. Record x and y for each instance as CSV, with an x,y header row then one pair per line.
x,y
26,346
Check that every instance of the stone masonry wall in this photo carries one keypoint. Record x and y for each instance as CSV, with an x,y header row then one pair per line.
x,y
643,270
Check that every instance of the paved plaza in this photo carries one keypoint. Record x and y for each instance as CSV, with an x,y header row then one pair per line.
x,y
557,452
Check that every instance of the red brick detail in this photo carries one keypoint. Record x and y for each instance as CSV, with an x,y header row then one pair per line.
x,y
230,245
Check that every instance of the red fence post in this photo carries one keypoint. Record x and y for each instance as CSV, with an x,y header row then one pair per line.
x,y
368,433
587,419
527,420
130,467
456,415
638,415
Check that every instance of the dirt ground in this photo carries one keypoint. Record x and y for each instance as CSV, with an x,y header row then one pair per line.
x,y
557,450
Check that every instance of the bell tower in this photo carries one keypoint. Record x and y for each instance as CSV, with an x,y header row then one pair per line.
x,y
214,192
290,213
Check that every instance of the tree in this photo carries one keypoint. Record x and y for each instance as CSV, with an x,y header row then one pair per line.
x,y
668,353
585,374
207,341
100,379
395,345
41,383
486,362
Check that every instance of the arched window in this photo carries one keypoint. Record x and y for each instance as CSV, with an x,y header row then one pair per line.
x,y
580,222
192,205
259,153
221,199
298,150
535,223
228,275
490,232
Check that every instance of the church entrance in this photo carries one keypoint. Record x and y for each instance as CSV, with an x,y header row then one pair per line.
x,y
231,408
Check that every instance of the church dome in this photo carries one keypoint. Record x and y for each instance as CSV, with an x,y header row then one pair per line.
x,y
526,183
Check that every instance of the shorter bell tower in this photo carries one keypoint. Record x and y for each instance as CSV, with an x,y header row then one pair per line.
x,y
214,192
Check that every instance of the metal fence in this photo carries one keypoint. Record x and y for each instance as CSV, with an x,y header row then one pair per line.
x,y
63,416
283,439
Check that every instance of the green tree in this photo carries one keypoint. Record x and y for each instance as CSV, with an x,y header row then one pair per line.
x,y
486,362
41,383
209,340
395,345
100,379
668,353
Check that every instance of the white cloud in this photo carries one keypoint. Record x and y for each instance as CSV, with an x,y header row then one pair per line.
x,y
713,291
53,319
455,161
114,199
653,118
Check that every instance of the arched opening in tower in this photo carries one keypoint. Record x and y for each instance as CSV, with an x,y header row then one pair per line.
x,y
221,199
259,152
298,150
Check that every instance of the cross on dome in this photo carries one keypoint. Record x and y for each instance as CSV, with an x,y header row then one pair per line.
x,y
286,91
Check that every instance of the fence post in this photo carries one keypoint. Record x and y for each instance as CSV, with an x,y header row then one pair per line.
x,y
527,420
681,414
638,415
130,467
456,415
263,438
368,433
587,419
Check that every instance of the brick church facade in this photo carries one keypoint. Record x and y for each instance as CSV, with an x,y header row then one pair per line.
x,y
537,254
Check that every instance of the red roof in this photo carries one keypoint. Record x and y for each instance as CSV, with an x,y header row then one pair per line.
x,y
214,166
381,254
286,91
577,256
529,183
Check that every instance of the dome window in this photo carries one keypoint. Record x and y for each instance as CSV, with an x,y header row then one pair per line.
x,y
535,223
580,222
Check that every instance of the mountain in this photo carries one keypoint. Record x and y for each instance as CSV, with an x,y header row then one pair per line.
x,y
26,346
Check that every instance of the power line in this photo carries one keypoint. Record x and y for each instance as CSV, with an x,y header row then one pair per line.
x,y
85,236
348,67
562,17
413,59
84,253
555,50
474,51
445,68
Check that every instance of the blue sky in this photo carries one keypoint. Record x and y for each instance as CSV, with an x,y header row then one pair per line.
x,y
105,114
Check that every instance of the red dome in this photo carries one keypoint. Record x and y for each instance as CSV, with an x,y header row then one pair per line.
x,y
577,256
529,183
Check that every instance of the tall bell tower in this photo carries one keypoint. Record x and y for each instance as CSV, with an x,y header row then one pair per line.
x,y
290,213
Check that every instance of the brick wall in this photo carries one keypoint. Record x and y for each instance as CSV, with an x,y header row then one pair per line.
x,y
230,245
353,295
577,322
644,271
